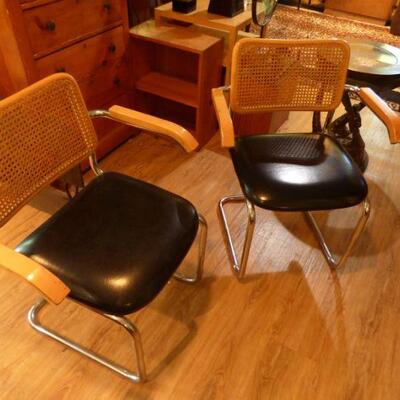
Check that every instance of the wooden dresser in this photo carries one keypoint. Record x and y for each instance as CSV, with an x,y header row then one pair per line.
x,y
86,38
375,11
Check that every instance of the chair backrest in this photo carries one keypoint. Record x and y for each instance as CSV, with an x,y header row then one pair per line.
x,y
293,75
45,130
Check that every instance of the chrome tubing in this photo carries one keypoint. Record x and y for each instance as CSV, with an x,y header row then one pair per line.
x,y
33,318
333,263
238,268
201,255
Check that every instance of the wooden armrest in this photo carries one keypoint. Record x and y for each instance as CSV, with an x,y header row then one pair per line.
x,y
389,117
224,118
38,276
153,124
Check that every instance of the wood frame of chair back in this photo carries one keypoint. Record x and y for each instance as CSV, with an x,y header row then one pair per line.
x,y
45,130
291,75
288,75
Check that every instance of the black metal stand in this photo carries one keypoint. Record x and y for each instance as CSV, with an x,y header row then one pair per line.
x,y
346,128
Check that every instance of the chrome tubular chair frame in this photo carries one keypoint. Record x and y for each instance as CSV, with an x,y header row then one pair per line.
x,y
140,376
33,318
238,268
333,263
201,255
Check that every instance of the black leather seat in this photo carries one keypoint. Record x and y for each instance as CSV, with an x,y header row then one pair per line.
x,y
100,243
288,172
297,172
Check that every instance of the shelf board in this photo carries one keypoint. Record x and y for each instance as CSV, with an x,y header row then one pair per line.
x,y
184,38
170,88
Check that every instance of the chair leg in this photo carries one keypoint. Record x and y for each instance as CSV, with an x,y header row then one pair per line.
x,y
238,268
333,263
33,318
201,255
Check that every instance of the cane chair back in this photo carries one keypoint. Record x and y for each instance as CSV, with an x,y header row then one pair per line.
x,y
45,130
300,75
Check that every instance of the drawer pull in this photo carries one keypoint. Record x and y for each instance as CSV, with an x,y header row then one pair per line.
x,y
112,48
60,69
116,81
50,26
107,6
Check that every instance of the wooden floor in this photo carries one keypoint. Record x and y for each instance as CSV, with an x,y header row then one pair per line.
x,y
292,330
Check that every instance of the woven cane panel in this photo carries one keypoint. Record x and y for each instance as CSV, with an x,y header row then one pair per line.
x,y
44,131
272,75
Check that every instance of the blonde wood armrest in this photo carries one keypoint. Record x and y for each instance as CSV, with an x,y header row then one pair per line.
x,y
224,118
153,124
38,276
389,117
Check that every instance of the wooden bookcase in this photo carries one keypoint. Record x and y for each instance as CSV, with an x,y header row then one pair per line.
x,y
175,69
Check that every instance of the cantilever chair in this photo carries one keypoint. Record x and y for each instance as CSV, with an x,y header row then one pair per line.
x,y
114,246
292,172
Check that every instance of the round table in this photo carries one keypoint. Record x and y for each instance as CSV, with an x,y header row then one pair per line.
x,y
375,65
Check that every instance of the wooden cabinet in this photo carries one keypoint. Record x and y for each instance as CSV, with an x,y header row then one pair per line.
x,y
86,38
375,9
175,70
58,24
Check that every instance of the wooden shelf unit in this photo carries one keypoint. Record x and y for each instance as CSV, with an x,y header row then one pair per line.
x,y
169,87
175,69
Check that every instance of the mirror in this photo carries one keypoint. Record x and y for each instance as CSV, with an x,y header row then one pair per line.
x,y
268,10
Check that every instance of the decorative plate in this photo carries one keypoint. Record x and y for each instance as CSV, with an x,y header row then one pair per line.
x,y
374,58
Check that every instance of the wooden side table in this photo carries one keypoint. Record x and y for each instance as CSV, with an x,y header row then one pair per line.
x,y
201,17
175,70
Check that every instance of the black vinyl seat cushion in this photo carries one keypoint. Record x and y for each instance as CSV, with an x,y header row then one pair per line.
x,y
297,172
117,243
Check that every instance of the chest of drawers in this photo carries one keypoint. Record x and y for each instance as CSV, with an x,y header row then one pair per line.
x,y
86,38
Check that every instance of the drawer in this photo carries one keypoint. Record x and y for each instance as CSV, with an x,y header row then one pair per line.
x,y
85,58
56,25
105,85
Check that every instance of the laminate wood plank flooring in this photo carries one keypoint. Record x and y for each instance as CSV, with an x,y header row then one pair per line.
x,y
293,329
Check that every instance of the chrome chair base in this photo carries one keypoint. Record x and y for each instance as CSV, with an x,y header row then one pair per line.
x,y
33,318
201,255
337,263
239,268
140,376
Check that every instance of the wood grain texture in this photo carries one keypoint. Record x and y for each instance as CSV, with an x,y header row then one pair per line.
x,y
171,36
15,70
178,66
389,117
224,118
381,9
228,27
38,276
70,19
88,39
153,124
86,58
292,330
